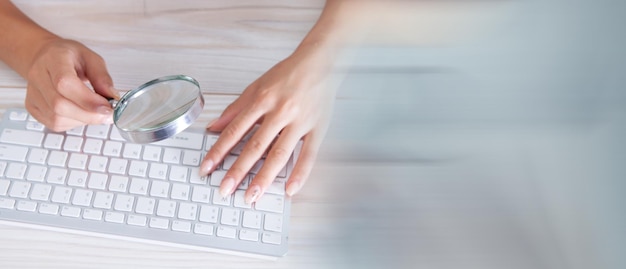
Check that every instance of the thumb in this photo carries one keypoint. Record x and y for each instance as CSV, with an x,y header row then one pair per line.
x,y
96,72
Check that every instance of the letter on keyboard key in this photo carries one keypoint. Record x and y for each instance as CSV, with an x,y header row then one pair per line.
x,y
20,137
226,232
181,226
13,153
7,203
271,238
270,203
114,217
159,223
203,229
137,220
184,140
249,235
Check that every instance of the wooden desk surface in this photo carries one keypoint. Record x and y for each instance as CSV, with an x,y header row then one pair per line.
x,y
223,44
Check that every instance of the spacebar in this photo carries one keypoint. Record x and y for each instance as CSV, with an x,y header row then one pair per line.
x,y
183,140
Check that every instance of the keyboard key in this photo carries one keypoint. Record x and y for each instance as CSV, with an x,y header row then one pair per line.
x,y
251,219
20,137
36,173
61,195
240,200
114,217
19,189
118,183
13,153
187,211
159,223
56,176
36,126
217,177
77,178
115,135
158,170
77,131
7,203
16,171
57,158
208,214
28,206
201,194
77,161
166,208
97,163
18,115
273,223
191,157
124,202
230,217
145,205
139,186
53,141
226,232
178,173
181,226
160,189
138,168
97,131
271,238
180,192
48,209
112,148
195,178
132,151
270,203
70,211
97,181
73,143
219,200
4,186
249,235
229,160
203,229
103,200
41,192
151,153
3,166
92,146
137,220
82,197
210,141
171,155
183,140
37,155
92,214
277,187
117,166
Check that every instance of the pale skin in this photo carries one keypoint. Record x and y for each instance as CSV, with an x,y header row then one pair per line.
x,y
291,100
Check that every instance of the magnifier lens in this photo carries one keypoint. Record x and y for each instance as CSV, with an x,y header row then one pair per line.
x,y
158,109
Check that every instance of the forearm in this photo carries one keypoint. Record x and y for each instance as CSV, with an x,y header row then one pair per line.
x,y
20,38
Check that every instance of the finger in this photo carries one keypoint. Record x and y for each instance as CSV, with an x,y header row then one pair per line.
x,y
64,107
232,110
237,128
66,81
304,164
38,108
96,72
251,153
276,159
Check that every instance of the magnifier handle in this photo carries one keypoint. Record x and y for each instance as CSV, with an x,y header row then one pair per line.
x,y
112,101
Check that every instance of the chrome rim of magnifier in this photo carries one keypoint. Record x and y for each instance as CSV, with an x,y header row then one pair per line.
x,y
166,130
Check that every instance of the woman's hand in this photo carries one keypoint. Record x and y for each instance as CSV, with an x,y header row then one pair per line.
x,y
57,94
291,99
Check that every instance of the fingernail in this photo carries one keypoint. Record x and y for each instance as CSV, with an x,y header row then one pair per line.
x,y
293,188
226,186
104,110
206,168
211,123
116,93
252,194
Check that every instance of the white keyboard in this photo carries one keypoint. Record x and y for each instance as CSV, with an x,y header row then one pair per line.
x,y
90,180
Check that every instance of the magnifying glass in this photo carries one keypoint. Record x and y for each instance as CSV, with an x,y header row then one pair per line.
x,y
158,109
